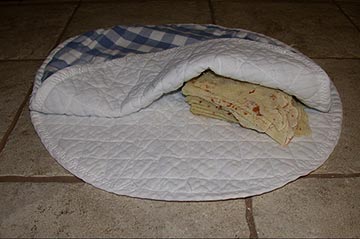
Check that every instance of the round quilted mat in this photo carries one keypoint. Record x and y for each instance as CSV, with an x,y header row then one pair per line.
x,y
165,154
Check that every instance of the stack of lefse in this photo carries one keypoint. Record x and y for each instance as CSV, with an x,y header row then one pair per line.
x,y
253,106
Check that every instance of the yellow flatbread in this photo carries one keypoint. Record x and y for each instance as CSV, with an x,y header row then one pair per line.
x,y
253,106
200,106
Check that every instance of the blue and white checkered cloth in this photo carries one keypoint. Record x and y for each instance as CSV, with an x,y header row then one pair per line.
x,y
106,44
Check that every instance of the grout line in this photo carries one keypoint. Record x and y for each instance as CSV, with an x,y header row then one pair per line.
x,y
117,1
66,26
347,16
278,1
250,218
212,12
111,1
335,58
40,179
15,120
248,201
20,60
48,2
333,175
45,2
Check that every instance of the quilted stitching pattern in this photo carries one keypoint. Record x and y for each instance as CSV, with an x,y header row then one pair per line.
x,y
164,152
123,86
167,153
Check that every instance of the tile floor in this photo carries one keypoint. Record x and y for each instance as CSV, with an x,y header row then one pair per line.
x,y
41,199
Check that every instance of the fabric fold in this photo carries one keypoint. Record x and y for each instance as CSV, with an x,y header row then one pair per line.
x,y
123,86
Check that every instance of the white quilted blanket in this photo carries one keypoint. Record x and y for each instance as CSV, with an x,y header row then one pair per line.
x,y
123,126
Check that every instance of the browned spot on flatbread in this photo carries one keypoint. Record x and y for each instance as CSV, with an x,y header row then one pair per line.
x,y
256,109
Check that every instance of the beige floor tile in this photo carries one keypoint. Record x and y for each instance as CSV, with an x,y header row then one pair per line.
x,y
79,210
92,16
352,9
25,155
325,208
30,31
318,29
16,79
346,76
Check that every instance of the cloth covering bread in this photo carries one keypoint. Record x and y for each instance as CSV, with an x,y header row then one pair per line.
x,y
253,106
107,106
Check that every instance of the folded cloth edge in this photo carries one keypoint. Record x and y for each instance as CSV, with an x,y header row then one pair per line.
x,y
182,64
